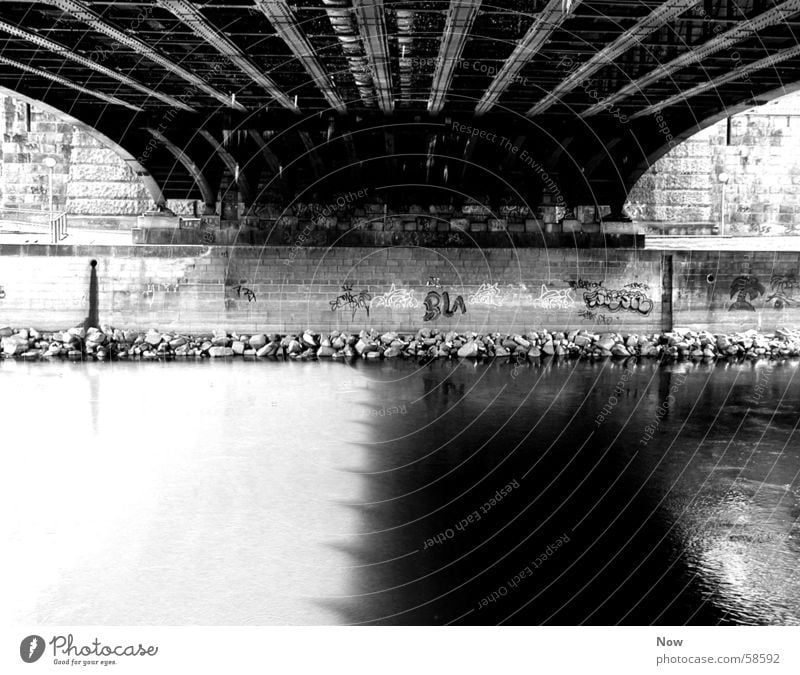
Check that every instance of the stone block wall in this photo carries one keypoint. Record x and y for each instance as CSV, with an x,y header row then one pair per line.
x,y
736,291
88,179
762,161
193,288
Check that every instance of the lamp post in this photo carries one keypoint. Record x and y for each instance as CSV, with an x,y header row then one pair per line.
x,y
50,163
723,179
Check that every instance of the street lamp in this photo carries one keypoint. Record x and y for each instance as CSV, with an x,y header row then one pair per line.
x,y
50,163
723,179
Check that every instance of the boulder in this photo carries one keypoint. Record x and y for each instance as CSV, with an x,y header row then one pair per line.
x,y
238,347
363,346
258,341
216,352
469,350
267,350
153,338
606,343
14,345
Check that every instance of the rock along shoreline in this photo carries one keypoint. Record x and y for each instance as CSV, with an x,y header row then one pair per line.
x,y
107,343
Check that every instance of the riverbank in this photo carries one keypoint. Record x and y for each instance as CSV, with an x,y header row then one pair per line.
x,y
107,343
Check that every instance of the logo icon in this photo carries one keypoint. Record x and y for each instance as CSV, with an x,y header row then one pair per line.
x,y
31,648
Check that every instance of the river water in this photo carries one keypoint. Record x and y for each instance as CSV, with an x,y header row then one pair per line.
x,y
328,493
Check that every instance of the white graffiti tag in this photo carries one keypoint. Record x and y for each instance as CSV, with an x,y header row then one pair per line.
x,y
397,298
487,295
555,298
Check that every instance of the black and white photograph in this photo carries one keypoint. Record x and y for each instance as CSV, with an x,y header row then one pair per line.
x,y
400,336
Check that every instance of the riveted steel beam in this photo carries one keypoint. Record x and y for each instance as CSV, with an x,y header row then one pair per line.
x,y
547,21
660,16
286,25
460,18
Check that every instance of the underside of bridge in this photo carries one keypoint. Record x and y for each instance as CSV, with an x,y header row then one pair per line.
x,y
427,101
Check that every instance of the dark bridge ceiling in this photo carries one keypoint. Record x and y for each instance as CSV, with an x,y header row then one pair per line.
x,y
319,97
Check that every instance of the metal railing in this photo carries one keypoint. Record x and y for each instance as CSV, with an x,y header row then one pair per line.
x,y
22,220
58,228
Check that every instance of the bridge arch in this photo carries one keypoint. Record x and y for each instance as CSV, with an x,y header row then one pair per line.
x,y
153,188
757,147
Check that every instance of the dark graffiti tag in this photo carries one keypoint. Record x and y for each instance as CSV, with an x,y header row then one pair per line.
x,y
745,287
782,286
583,283
351,300
434,307
2,292
248,293
614,300
597,318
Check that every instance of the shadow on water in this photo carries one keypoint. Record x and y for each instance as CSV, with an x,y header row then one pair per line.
x,y
577,493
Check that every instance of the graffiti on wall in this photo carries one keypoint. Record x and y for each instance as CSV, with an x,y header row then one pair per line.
x,y
166,288
437,303
487,295
601,319
554,298
248,292
579,284
351,301
495,296
745,288
782,287
396,298
2,292
632,297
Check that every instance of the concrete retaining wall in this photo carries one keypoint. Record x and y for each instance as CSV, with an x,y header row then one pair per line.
x,y
736,290
195,288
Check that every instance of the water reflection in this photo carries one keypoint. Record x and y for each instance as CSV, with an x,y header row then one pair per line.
x,y
558,492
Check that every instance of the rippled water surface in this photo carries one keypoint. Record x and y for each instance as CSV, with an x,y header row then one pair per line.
x,y
262,493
